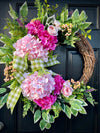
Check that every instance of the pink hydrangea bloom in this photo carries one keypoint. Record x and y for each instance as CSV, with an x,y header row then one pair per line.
x,y
48,41
46,102
67,89
31,45
58,84
34,27
35,86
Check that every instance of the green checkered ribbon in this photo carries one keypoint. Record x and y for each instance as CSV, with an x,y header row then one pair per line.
x,y
37,64
13,98
19,76
51,61
19,63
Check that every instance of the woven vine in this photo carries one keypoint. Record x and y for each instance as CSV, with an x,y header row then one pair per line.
x,y
87,53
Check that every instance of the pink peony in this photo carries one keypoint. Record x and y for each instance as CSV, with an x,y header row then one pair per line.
x,y
67,89
34,27
46,102
58,84
31,45
48,41
52,30
35,86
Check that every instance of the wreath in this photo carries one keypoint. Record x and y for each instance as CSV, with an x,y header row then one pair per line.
x,y
28,57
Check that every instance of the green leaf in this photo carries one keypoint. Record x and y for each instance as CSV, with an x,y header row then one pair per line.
x,y
83,111
83,102
6,40
14,84
64,15
45,19
48,126
6,59
63,107
75,16
24,10
26,107
90,100
68,111
71,97
56,108
83,16
2,90
47,117
76,104
74,112
7,83
51,118
12,13
3,100
37,116
5,51
84,25
42,124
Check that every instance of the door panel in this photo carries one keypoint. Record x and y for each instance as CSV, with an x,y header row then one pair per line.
x,y
71,67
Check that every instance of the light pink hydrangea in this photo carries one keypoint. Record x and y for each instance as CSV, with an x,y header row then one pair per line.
x,y
34,27
46,102
31,45
35,86
58,84
67,89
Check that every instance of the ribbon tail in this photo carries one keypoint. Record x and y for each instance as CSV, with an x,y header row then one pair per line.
x,y
13,98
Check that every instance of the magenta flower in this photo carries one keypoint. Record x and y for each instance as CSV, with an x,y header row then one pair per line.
x,y
46,102
67,89
48,41
58,84
35,86
34,27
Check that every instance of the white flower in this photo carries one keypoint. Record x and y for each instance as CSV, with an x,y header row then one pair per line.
x,y
52,30
57,24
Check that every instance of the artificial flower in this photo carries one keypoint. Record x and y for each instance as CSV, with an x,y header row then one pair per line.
x,y
35,86
48,41
32,46
58,84
67,89
57,24
34,27
52,30
46,102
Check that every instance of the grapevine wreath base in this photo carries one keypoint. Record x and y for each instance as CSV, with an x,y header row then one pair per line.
x,y
87,53
28,56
